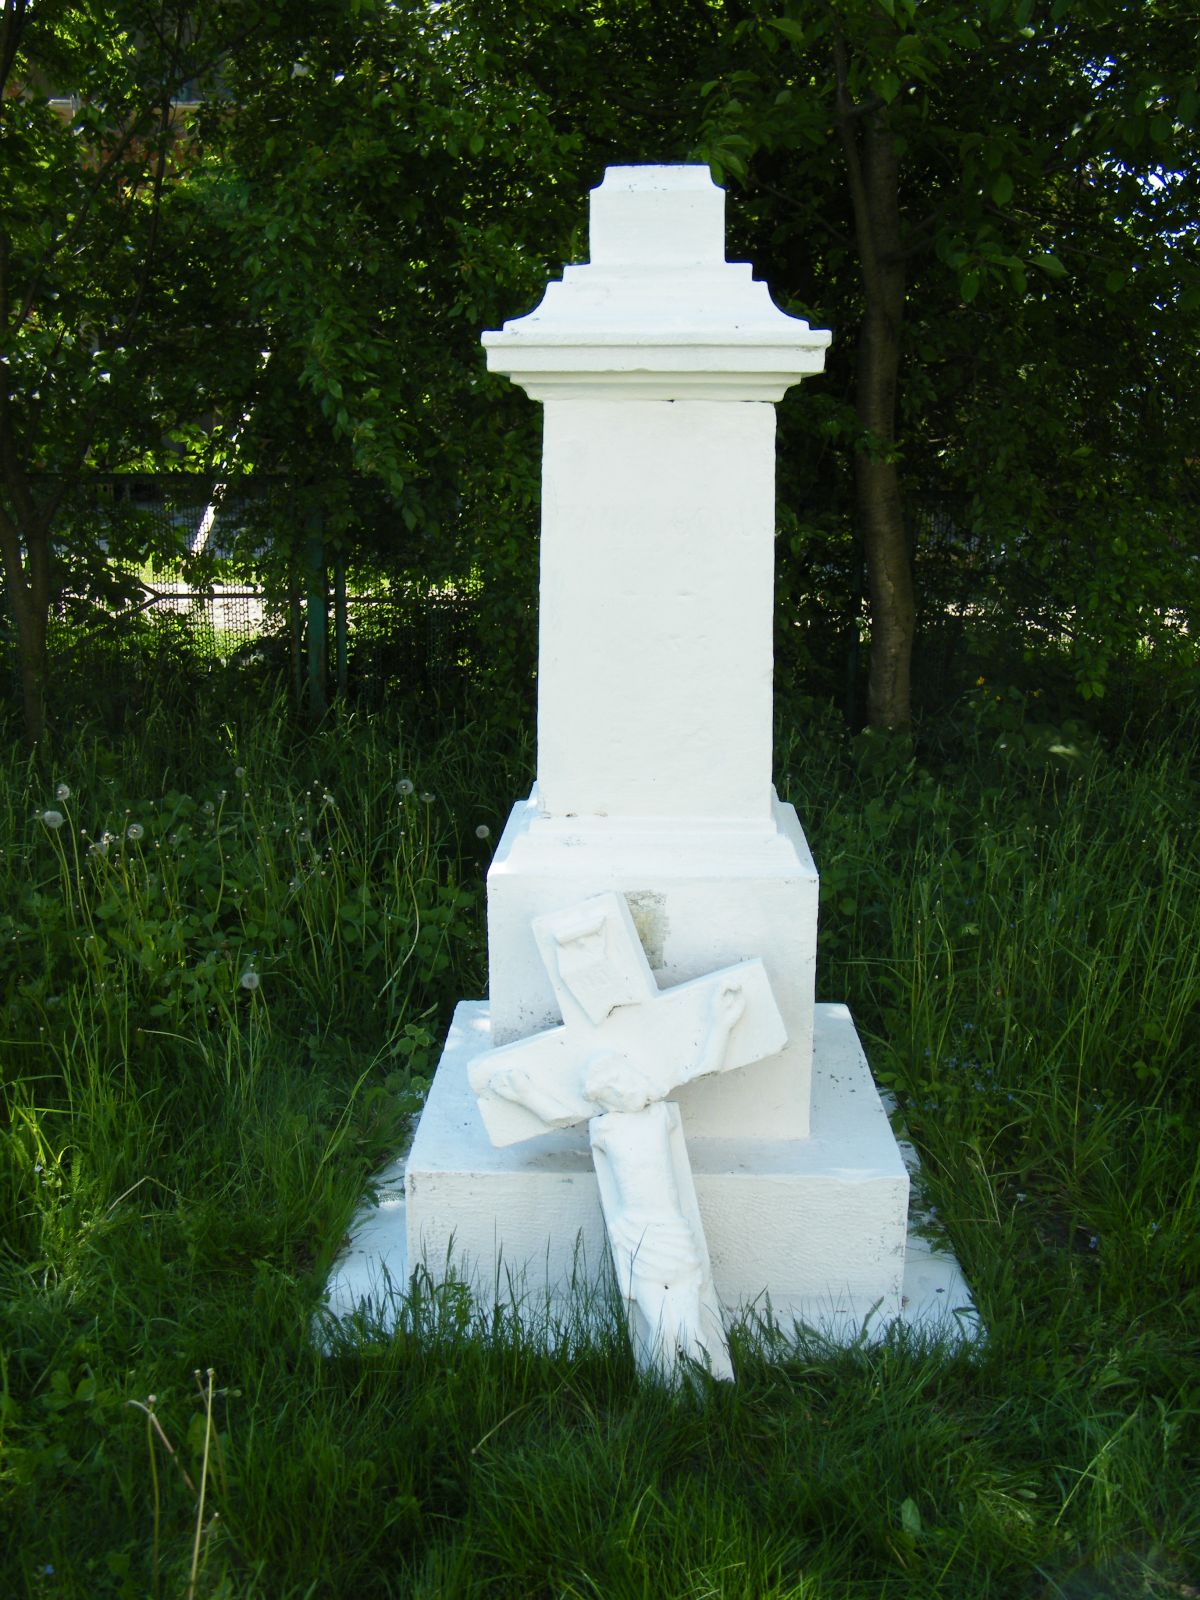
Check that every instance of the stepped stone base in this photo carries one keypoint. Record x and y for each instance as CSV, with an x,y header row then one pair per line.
x,y
704,893
811,1231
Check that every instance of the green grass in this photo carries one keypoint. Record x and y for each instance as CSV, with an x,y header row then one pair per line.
x,y
215,1030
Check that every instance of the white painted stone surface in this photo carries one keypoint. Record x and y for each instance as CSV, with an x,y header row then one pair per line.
x,y
817,1225
658,364
370,1283
671,217
613,1009
703,895
370,1275
658,507
623,1047
658,313
658,551
656,1240
656,361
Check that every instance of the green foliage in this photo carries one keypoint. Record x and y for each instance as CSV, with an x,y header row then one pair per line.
x,y
1010,906
390,186
291,275
110,281
235,899
1047,196
1038,1013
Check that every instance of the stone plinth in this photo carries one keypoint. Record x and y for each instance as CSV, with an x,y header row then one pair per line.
x,y
816,1226
658,530
735,1174
703,895
657,364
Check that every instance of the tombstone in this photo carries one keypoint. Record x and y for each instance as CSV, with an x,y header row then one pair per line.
x,y
650,1095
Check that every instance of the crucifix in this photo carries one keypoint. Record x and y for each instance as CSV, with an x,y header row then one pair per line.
x,y
624,1045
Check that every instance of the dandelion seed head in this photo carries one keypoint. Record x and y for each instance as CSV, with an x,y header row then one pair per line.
x,y
62,792
249,979
51,819
135,831
483,831
239,772
405,786
428,797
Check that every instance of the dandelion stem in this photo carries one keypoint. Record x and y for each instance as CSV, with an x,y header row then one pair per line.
x,y
208,1401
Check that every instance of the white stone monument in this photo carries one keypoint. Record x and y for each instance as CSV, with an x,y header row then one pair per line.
x,y
650,1082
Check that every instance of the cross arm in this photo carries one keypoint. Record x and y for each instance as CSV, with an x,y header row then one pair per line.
x,y
526,1088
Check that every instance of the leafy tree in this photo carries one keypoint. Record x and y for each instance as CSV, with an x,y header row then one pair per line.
x,y
972,199
985,193
391,185
103,286
290,277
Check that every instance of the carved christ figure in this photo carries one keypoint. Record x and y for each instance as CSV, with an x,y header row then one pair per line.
x,y
659,1262
661,1265
553,1102
623,1048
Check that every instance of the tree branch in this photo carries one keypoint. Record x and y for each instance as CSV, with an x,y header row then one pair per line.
x,y
858,188
12,25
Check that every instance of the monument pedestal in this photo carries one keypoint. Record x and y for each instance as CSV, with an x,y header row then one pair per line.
x,y
652,909
814,1228
704,893
815,1234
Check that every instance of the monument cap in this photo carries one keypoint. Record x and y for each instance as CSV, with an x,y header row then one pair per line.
x,y
657,313
657,217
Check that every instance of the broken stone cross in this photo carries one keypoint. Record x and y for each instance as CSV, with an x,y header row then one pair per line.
x,y
623,1047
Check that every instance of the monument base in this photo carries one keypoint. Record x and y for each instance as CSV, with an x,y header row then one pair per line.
x,y
704,893
811,1231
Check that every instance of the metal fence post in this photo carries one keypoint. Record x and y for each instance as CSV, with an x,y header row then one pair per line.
x,y
317,616
340,627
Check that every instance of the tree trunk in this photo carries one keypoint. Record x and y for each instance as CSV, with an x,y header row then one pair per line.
x,y
875,190
31,646
28,586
